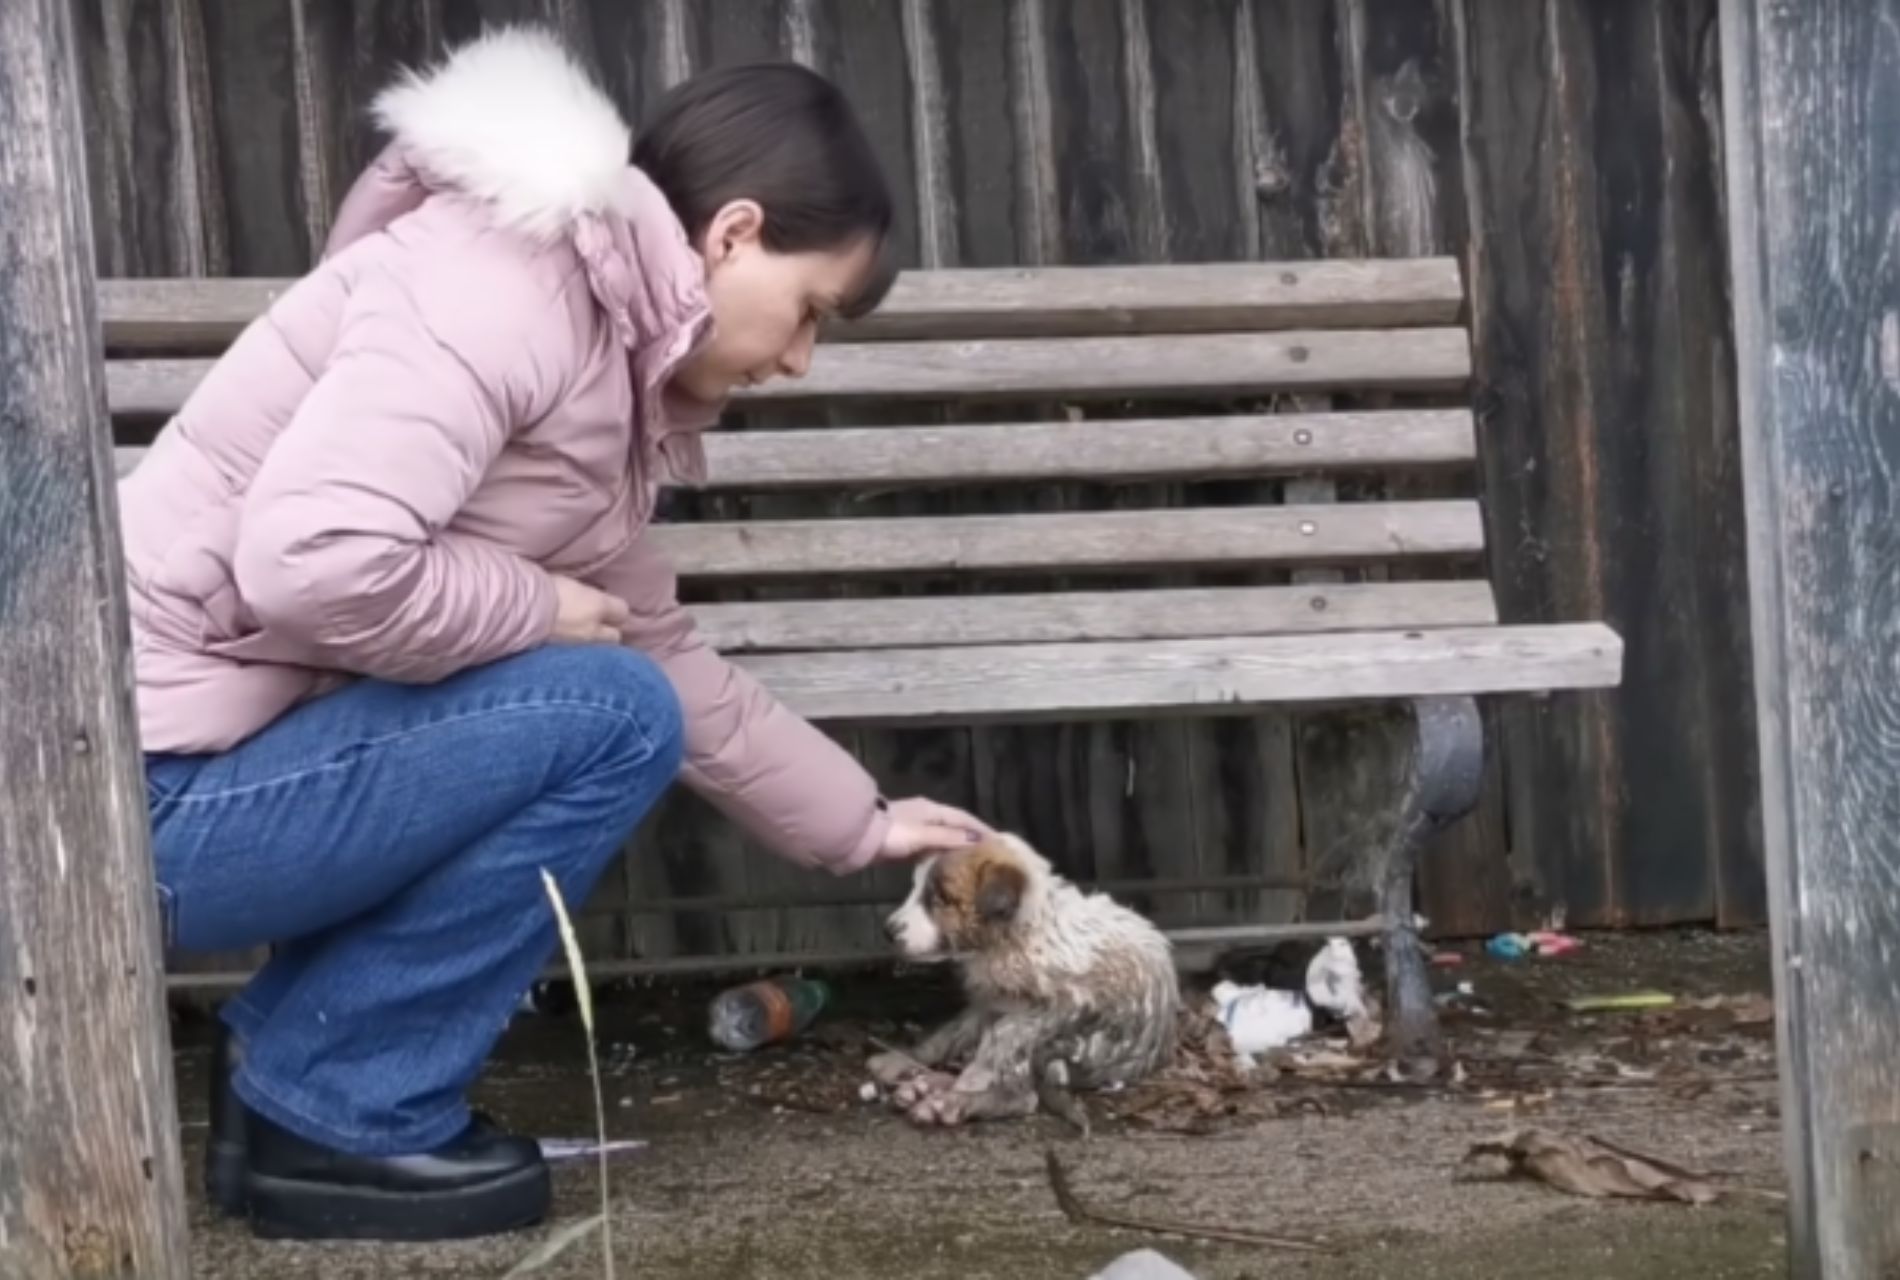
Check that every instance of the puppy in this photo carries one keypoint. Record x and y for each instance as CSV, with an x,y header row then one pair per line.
x,y
1066,989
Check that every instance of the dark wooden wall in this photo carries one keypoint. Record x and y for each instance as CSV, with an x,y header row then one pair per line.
x,y
1567,150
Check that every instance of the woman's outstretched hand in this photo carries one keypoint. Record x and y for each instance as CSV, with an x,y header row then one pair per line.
x,y
587,616
920,827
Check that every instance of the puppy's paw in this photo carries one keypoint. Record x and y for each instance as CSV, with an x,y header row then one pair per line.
x,y
893,1068
920,1088
942,1110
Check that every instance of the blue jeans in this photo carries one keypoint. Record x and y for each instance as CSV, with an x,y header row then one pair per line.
x,y
389,840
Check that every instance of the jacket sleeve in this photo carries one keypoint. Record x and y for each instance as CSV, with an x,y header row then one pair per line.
x,y
771,771
343,545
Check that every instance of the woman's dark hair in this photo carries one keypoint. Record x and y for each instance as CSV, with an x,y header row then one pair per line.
x,y
784,136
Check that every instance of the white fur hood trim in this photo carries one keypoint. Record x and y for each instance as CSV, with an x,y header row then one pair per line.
x,y
512,120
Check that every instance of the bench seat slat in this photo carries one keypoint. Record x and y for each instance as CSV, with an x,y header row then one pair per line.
x,y
1210,366
1105,540
1143,449
204,315
1069,681
1056,617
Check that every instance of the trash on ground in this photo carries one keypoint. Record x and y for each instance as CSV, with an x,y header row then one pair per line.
x,y
1744,1011
1545,943
1143,1264
1259,1019
1463,996
1591,1167
553,1149
1549,943
1626,1002
765,1012
1448,959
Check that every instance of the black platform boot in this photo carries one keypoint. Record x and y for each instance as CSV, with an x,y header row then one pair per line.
x,y
484,1182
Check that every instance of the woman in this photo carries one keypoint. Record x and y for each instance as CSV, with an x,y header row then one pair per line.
x,y
400,641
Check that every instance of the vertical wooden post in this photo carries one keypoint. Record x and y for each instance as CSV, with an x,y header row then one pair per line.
x,y
1813,114
90,1180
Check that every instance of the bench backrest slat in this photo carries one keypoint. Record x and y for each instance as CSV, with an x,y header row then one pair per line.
x,y
1111,451
1106,450
202,315
1203,537
1203,366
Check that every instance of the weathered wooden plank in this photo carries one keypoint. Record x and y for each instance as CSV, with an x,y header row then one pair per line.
x,y
251,67
1210,365
1105,450
1251,810
182,314
1717,650
90,1178
1403,81
1536,267
1817,315
1620,807
933,192
1203,365
1046,617
1074,681
1690,764
157,207
1080,541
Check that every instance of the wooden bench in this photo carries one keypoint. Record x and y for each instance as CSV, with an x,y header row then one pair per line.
x,y
1217,606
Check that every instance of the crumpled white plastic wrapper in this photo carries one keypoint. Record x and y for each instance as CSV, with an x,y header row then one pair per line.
x,y
1144,1264
1259,1019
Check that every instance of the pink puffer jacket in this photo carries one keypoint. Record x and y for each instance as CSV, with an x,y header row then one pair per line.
x,y
465,397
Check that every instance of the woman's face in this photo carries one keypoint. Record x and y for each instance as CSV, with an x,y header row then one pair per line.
x,y
766,307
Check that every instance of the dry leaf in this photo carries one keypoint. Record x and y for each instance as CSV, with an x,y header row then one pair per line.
x,y
1315,1062
1585,1166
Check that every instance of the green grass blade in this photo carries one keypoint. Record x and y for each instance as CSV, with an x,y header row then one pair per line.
x,y
578,969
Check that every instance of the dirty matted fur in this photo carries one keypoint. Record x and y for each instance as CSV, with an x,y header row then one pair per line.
x,y
1066,988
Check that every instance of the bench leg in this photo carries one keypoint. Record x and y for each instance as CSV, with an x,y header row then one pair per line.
x,y
1442,785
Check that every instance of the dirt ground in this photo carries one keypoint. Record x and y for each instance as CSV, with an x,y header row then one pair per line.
x,y
772,1165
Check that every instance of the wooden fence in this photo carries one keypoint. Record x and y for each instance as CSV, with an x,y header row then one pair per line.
x,y
1568,151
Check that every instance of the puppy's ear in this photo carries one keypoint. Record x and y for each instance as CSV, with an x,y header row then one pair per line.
x,y
999,892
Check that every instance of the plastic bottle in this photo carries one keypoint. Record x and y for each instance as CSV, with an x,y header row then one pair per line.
x,y
765,1012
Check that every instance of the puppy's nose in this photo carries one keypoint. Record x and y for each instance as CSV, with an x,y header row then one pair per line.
x,y
890,928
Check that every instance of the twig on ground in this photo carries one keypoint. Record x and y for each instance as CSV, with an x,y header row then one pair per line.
x,y
1075,1211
